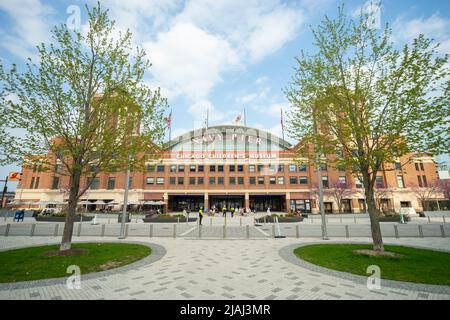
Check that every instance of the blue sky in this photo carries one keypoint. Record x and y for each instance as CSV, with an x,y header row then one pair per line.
x,y
221,55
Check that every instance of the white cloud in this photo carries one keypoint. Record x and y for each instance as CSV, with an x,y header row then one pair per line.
x,y
262,80
31,24
189,60
435,26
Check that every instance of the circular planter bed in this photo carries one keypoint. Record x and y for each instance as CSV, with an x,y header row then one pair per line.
x,y
270,219
404,264
60,219
44,262
167,220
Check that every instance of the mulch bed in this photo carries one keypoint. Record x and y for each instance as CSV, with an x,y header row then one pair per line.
x,y
66,253
373,253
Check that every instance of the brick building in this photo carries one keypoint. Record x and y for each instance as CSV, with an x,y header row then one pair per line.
x,y
235,166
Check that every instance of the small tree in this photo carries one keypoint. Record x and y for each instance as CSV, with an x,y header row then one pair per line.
x,y
85,103
425,194
382,193
359,96
340,191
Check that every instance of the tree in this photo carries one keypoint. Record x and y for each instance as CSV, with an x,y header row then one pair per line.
x,y
85,104
382,193
340,191
360,97
430,192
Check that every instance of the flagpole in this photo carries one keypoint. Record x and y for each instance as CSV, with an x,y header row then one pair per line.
x,y
282,124
170,125
245,118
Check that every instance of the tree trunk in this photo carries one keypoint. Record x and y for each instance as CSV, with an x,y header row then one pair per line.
x,y
373,215
66,241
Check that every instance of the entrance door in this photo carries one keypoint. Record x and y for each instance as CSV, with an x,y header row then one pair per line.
x,y
227,201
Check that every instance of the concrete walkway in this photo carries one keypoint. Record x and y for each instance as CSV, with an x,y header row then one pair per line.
x,y
217,269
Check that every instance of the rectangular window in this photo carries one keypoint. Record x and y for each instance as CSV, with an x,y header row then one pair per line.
x,y
201,168
232,168
160,180
281,168
150,180
419,180
400,182
36,184
220,180
173,168
232,180
424,179
379,182
160,168
302,167
212,180
342,179
240,168
421,167
240,180
181,168
55,183
220,168
150,168
417,166
398,166
293,180
272,180
32,183
272,168
111,183
261,180
280,180
358,182
200,180
303,180
252,180
251,168
94,183
292,168
260,167
180,180
325,182
212,168
172,180
192,180
192,168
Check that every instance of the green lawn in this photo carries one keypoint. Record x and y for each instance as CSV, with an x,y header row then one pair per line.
x,y
417,265
30,263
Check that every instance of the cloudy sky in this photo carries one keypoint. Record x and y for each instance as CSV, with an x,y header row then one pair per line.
x,y
221,55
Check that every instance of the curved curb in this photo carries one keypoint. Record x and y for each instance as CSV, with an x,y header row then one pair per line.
x,y
158,253
287,253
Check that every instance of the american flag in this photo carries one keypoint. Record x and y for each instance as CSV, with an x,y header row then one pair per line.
x,y
238,118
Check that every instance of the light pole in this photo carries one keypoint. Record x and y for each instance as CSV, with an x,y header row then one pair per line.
x,y
321,205
125,203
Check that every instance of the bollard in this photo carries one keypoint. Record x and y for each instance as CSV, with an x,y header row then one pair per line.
x,y
7,229
79,230
442,231
247,229
126,230
174,230
199,231
33,226
150,234
135,221
420,231
225,221
347,233
103,230
273,230
224,232
396,231
429,219
55,233
297,231
178,220
240,222
443,219
210,221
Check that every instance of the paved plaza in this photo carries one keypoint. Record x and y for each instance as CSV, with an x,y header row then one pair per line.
x,y
185,268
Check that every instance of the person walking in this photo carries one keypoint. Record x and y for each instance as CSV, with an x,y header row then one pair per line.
x,y
232,211
224,211
200,215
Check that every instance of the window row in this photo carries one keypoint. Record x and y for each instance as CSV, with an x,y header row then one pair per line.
x,y
231,168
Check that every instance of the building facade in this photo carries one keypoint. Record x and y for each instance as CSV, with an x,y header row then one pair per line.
x,y
233,166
